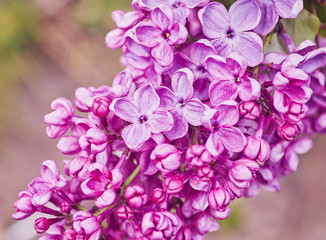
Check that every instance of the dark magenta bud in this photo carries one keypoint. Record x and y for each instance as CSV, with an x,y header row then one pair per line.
x,y
197,156
100,107
136,196
158,196
173,184
205,173
218,199
249,110
65,207
125,213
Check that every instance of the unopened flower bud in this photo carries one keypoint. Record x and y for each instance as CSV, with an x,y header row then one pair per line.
x,y
42,224
198,155
136,196
296,112
173,184
242,172
70,234
257,148
205,173
100,107
65,207
249,110
167,157
218,199
289,131
158,196
125,213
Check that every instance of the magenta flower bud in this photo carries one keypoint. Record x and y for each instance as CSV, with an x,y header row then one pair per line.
x,y
167,157
184,234
289,131
173,184
100,107
158,196
249,110
257,148
242,172
84,223
94,141
218,199
79,167
296,112
65,207
125,213
23,206
198,155
70,234
42,224
205,173
136,196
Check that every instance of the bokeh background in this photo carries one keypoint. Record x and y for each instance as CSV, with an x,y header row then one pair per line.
x,y
48,48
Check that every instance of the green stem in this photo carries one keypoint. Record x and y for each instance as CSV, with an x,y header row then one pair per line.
x,y
194,136
268,40
131,177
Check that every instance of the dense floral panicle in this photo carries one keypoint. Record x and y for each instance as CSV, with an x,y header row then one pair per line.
x,y
203,113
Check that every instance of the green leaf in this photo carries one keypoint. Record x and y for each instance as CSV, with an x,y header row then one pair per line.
x,y
305,26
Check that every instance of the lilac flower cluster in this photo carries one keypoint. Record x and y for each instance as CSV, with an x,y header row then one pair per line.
x,y
201,115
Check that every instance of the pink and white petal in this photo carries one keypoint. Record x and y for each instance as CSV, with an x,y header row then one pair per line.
x,y
288,8
269,19
178,34
218,68
115,38
125,109
281,102
245,15
214,145
167,98
180,13
148,35
314,60
162,16
220,91
43,198
223,46
232,139
200,50
181,82
250,46
135,135
130,19
215,20
106,199
180,125
50,171
193,111
160,121
228,113
163,54
147,99
237,64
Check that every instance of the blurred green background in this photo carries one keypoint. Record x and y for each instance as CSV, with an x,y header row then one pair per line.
x,y
48,48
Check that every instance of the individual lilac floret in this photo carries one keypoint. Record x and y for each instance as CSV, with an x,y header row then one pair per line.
x,y
60,119
86,225
197,156
231,79
24,206
219,199
136,196
257,148
167,157
144,114
94,141
158,196
249,110
161,34
160,225
173,184
230,30
183,107
219,121
271,10
44,187
125,213
180,8
102,184
100,107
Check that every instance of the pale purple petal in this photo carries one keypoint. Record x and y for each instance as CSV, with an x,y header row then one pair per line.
x,y
147,99
167,98
106,199
159,121
162,17
200,50
214,144
125,109
220,91
182,81
163,53
135,135
245,15
228,113
193,111
180,125
288,8
50,172
232,138
148,35
215,20
217,67
115,38
269,17
250,46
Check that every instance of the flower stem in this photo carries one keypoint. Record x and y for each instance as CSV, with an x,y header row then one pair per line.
x,y
131,177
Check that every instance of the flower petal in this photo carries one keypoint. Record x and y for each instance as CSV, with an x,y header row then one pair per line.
x,y
232,138
125,109
135,135
159,121
193,111
147,99
220,91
